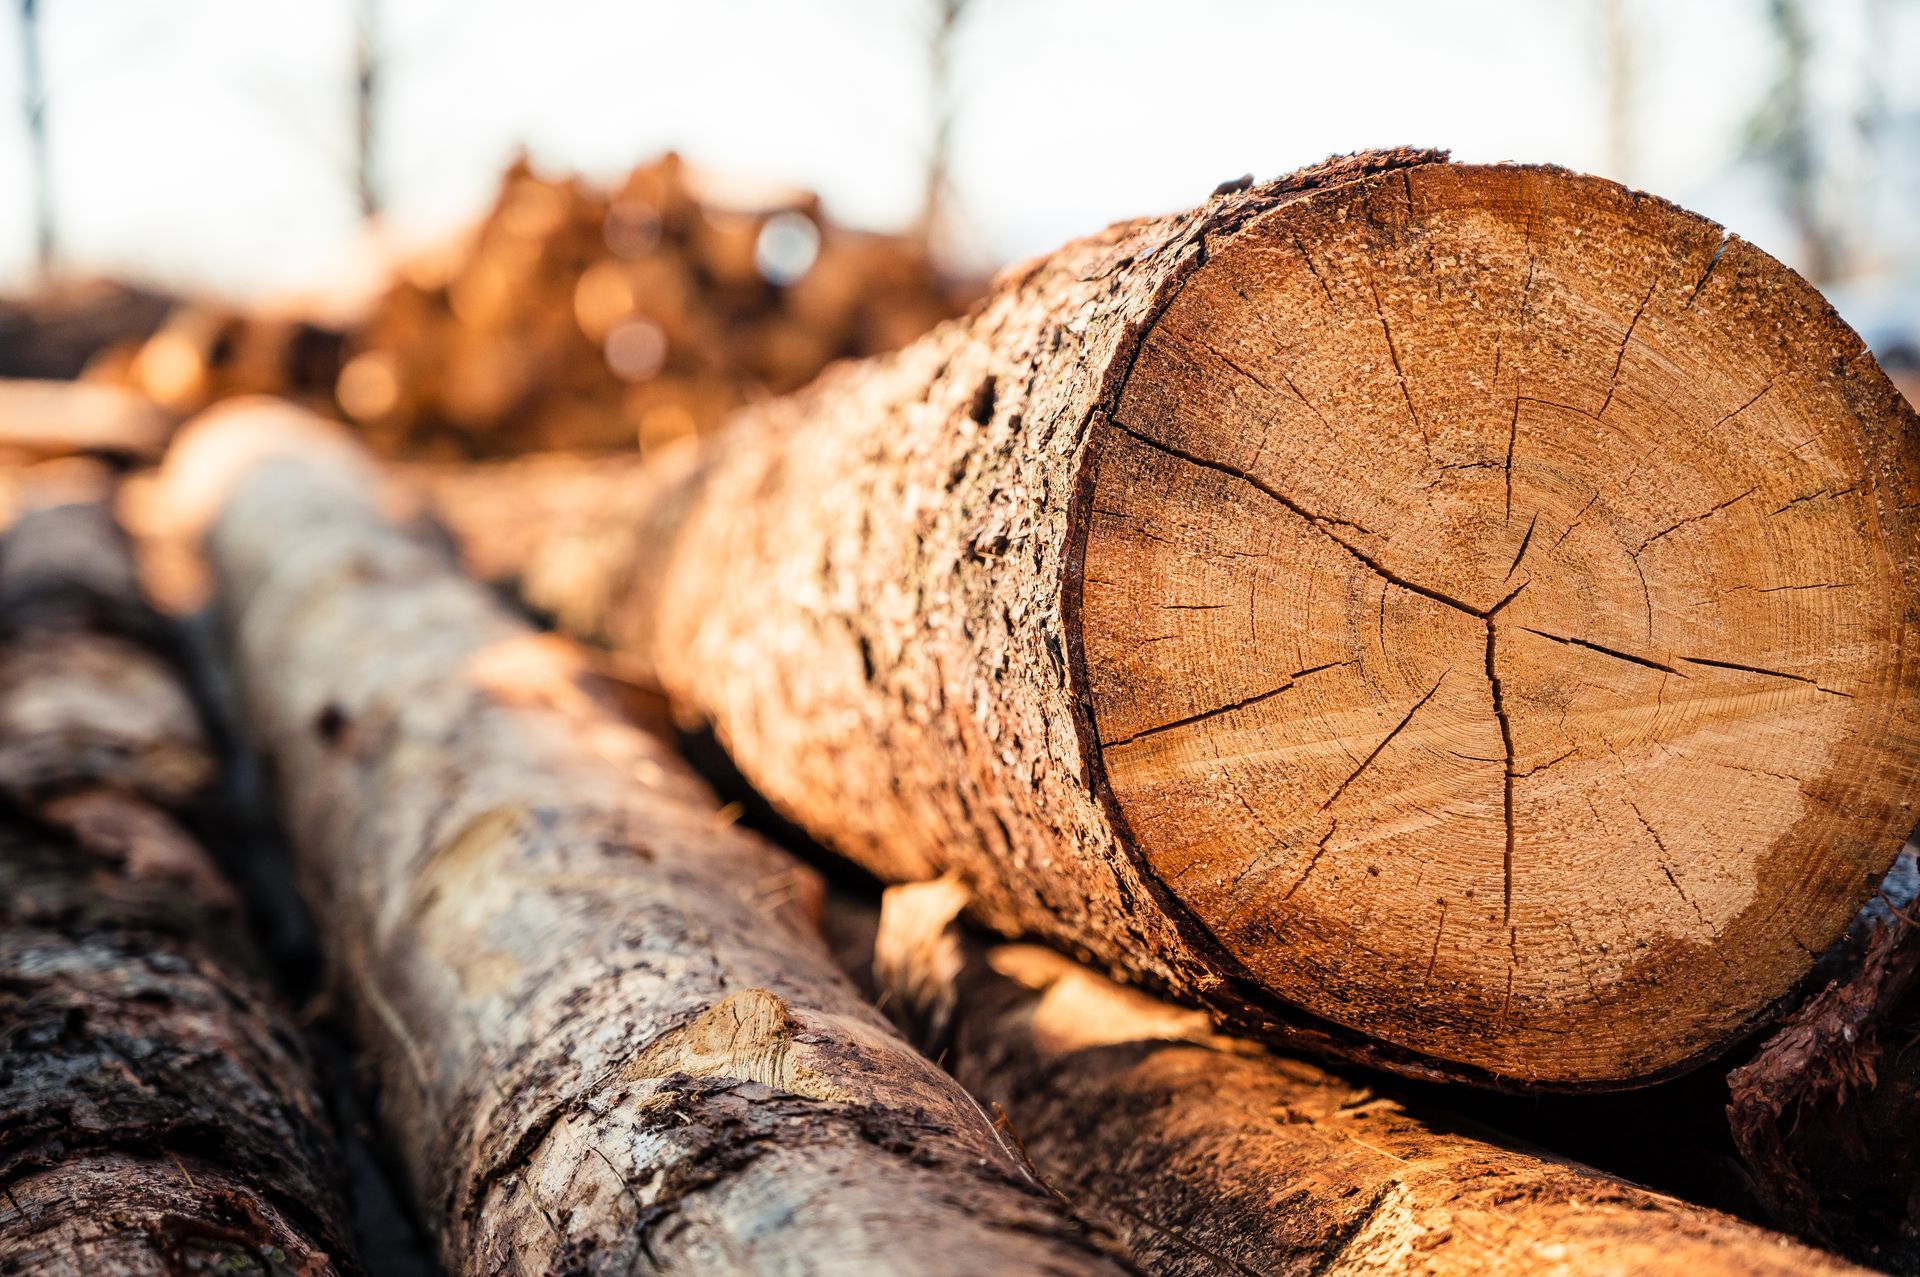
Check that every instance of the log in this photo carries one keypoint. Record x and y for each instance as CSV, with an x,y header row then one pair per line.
x,y
607,1033
1458,616
1825,1111
57,330
157,1112
41,419
1210,1155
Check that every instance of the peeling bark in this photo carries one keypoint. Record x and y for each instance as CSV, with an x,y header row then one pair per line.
x,y
1579,534
157,1112
1209,1155
608,1035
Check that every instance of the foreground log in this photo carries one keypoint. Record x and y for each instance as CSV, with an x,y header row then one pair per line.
x,y
608,1035
156,1114
1209,1155
1462,611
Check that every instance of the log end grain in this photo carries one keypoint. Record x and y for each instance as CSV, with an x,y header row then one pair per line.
x,y
1494,617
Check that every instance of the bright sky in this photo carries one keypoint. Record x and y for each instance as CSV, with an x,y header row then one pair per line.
x,y
204,142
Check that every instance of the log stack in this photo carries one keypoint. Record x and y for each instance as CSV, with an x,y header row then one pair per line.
x,y
577,317
1407,618
207,351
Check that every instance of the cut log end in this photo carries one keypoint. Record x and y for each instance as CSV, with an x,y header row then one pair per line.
x,y
1467,605
1495,588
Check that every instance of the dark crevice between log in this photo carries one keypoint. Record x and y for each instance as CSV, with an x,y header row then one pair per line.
x,y
242,831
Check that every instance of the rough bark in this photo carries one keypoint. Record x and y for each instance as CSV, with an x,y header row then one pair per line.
x,y
1826,1112
1209,1155
608,1035
1341,603
157,1113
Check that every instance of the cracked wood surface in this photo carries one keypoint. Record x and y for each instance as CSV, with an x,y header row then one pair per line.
x,y
608,1036
157,1112
1212,1156
1596,523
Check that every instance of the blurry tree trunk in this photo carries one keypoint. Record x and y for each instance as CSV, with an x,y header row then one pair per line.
x,y
1790,144
34,104
937,223
1621,54
367,77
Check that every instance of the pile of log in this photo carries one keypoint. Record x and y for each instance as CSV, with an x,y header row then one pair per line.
x,y
208,351
572,316
576,317
1403,632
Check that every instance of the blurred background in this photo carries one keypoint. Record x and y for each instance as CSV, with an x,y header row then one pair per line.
x,y
850,171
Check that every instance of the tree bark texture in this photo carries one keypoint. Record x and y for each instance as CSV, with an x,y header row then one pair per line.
x,y
608,1035
157,1112
1826,1111
1458,615
1210,1155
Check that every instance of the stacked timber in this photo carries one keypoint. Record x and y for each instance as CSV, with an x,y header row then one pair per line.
x,y
1450,619
571,317
207,351
607,1033
157,1114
